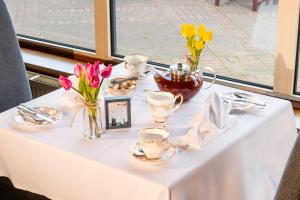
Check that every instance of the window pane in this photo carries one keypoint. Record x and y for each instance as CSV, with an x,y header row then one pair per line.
x,y
244,40
65,21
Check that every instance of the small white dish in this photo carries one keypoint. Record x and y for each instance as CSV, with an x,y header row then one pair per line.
x,y
23,120
126,87
137,153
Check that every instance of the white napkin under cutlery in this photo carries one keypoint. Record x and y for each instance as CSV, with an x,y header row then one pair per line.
x,y
211,120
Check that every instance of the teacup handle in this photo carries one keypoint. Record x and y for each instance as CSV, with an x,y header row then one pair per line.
x,y
179,95
211,70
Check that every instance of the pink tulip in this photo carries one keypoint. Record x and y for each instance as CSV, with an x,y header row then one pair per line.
x,y
65,82
95,82
106,72
89,71
96,66
78,70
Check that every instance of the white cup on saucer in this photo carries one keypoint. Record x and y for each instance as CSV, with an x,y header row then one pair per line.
x,y
153,141
135,65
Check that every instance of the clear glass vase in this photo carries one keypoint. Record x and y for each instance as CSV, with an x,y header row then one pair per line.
x,y
92,120
193,61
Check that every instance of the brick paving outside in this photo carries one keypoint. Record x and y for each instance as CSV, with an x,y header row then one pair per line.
x,y
243,46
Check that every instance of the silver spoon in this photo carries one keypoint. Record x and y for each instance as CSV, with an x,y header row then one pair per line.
x,y
138,152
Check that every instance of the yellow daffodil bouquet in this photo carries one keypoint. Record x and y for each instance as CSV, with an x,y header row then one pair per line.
x,y
195,42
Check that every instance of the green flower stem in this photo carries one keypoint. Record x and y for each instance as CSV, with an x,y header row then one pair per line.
x,y
101,82
93,118
76,90
96,124
91,122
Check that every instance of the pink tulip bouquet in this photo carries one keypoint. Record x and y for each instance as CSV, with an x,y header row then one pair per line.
x,y
90,80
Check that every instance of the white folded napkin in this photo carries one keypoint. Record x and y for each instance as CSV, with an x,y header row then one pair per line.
x,y
211,120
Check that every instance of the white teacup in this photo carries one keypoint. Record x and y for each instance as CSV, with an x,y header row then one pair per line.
x,y
135,65
154,142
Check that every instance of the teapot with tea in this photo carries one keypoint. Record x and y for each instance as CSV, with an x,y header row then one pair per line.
x,y
179,79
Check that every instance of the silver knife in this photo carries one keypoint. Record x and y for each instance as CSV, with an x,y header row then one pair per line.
x,y
35,110
36,113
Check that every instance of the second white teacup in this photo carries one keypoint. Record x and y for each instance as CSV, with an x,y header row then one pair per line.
x,y
154,142
135,65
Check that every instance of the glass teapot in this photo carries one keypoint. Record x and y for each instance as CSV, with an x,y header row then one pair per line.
x,y
180,79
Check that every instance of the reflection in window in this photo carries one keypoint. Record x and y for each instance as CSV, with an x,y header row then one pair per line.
x,y
244,40
69,21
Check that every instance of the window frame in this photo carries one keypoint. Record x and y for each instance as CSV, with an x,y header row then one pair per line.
x,y
297,62
286,50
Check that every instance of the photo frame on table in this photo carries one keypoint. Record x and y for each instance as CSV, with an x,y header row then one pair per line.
x,y
117,112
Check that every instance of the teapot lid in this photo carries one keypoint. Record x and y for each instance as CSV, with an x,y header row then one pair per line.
x,y
180,69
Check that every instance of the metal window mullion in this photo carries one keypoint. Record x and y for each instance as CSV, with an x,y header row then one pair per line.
x,y
287,37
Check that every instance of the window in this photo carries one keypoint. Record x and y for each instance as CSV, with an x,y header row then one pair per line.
x,y
254,46
243,46
67,22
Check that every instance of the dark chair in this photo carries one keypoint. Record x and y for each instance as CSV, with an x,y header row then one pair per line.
x,y
14,89
289,187
255,3
14,84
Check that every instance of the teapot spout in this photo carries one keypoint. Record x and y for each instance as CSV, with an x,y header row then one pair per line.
x,y
156,72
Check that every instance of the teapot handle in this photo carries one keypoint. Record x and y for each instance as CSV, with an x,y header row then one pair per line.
x,y
179,95
211,70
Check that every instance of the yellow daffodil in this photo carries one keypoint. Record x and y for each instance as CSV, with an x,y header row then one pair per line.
x,y
201,30
195,41
208,36
191,30
184,30
199,45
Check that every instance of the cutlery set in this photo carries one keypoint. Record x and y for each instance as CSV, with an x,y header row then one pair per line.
x,y
34,115
244,98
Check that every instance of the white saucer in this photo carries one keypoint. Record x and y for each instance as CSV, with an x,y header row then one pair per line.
x,y
137,154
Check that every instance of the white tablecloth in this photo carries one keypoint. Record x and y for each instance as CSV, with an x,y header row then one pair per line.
x,y
246,162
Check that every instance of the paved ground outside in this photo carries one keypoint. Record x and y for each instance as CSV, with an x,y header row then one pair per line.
x,y
243,46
